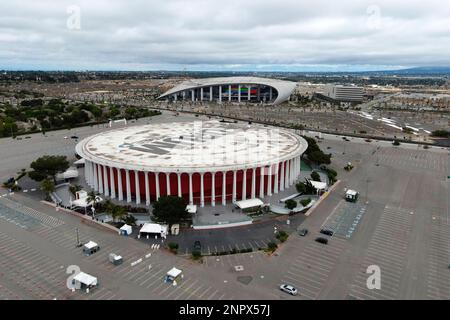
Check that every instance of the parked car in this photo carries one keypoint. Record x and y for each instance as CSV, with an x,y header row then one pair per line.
x,y
27,137
197,245
289,289
327,232
74,137
322,240
303,232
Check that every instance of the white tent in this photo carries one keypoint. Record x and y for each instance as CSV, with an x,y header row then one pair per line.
x,y
126,229
250,203
86,279
68,174
318,185
154,228
82,202
174,272
90,245
80,161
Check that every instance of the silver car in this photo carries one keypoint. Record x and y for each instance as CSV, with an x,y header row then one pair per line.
x,y
288,289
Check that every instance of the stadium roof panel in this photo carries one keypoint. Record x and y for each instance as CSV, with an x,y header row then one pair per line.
x,y
192,146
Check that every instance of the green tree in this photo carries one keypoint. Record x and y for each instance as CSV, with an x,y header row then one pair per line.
x,y
47,167
170,209
319,157
129,219
301,187
290,204
441,133
315,176
118,213
92,197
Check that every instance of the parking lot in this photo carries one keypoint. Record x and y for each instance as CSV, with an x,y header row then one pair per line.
x,y
400,223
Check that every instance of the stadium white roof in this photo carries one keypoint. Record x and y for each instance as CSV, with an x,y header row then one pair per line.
x,y
192,147
284,88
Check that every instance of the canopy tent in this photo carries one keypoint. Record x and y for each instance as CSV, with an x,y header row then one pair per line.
x,y
174,272
192,209
250,203
85,279
154,228
125,230
83,203
68,174
318,185
80,161
90,245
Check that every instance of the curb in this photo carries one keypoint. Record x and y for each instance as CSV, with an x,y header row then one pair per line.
x,y
325,195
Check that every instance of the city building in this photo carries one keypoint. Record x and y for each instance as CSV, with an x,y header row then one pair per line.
x,y
232,89
204,162
344,93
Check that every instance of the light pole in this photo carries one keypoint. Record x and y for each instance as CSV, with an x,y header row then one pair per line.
x,y
367,190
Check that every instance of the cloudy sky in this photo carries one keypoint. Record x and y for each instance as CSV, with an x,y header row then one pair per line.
x,y
256,35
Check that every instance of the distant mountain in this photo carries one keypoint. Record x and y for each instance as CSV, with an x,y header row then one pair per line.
x,y
420,71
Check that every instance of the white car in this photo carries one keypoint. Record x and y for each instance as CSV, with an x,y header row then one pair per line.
x,y
288,289
65,137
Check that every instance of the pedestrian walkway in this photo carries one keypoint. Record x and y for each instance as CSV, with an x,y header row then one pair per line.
x,y
25,216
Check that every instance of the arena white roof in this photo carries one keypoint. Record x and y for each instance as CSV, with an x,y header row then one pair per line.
x,y
284,88
192,147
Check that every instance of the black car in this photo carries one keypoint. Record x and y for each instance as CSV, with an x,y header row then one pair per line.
x,y
74,137
327,232
303,232
197,246
322,240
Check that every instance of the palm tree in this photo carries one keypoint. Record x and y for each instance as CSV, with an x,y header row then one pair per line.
x,y
92,198
129,219
118,213
48,186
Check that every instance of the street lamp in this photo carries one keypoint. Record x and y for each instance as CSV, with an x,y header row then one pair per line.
x,y
367,190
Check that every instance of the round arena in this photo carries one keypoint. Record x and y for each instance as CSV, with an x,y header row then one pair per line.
x,y
205,162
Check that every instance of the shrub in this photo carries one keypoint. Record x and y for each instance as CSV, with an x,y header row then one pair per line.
x,y
290,204
315,176
272,246
282,236
173,247
196,254
305,202
441,133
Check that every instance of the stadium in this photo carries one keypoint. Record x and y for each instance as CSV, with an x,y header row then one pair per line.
x,y
205,162
232,89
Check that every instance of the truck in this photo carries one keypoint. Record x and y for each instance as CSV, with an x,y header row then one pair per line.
x,y
351,195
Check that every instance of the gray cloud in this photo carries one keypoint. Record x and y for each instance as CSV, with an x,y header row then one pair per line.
x,y
233,34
